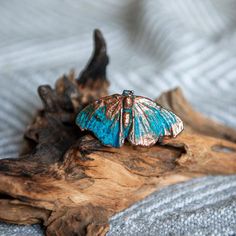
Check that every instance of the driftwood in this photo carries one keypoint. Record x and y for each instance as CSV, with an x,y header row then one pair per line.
x,y
66,180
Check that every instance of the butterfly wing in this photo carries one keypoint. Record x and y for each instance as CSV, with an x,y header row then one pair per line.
x,y
151,122
104,118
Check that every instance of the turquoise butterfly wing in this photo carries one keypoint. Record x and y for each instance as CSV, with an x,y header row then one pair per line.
x,y
151,122
104,118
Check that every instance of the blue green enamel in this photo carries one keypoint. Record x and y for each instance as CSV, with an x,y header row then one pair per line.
x,y
105,129
146,124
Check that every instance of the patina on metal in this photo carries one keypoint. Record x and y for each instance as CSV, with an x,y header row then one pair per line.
x,y
140,120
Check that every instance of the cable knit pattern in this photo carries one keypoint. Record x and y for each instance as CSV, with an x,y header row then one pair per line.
x,y
153,45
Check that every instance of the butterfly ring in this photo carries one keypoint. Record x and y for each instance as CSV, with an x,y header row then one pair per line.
x,y
119,117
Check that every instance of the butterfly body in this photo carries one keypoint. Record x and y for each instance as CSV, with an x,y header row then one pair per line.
x,y
138,119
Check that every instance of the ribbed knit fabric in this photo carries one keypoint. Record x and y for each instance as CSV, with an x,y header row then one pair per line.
x,y
204,206
154,45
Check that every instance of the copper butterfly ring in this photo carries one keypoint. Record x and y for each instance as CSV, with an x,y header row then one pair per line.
x,y
119,117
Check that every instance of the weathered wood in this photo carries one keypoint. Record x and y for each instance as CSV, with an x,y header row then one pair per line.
x,y
66,180
194,121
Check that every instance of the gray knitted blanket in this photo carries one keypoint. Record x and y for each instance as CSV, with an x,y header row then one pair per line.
x,y
153,46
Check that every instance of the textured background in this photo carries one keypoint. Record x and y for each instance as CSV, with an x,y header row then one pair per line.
x,y
153,46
